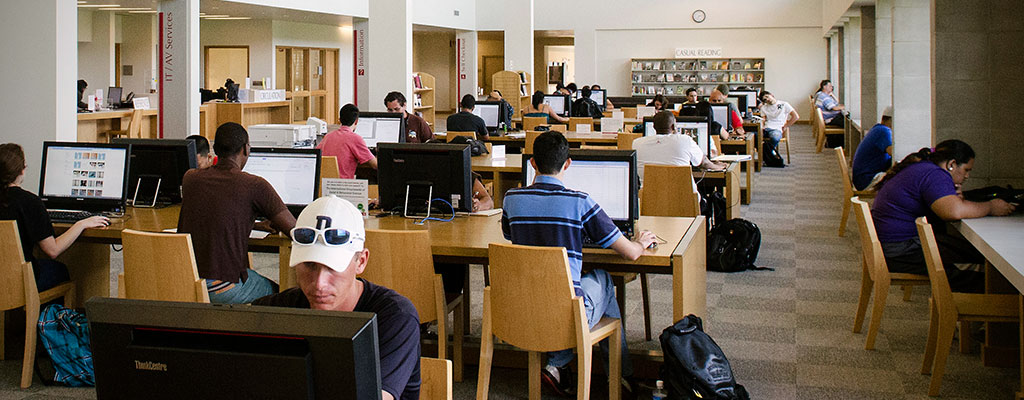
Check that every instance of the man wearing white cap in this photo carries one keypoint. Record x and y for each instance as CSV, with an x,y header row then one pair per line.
x,y
874,154
327,254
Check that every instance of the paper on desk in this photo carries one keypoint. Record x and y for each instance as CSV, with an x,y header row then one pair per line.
x,y
582,128
484,213
732,157
254,234
498,152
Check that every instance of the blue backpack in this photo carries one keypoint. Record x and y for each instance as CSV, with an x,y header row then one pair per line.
x,y
65,335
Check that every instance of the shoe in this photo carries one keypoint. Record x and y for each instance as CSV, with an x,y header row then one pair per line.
x,y
560,385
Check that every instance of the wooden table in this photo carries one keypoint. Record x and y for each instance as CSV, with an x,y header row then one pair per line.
x,y
627,123
743,145
728,181
506,174
91,124
571,136
246,114
757,127
1000,240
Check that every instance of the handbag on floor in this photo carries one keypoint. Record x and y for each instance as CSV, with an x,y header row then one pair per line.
x,y
695,367
64,333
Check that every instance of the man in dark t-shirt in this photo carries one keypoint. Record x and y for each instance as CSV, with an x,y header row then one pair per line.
x,y
328,254
466,121
416,128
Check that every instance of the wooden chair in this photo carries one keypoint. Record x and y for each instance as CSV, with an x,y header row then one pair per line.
x,y
451,135
530,304
436,378
328,169
785,139
625,140
403,262
18,289
875,275
531,123
573,121
531,136
160,266
824,131
132,130
848,191
947,308
558,127
628,112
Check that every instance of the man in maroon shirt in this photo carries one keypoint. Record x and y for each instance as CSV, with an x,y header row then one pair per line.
x,y
417,130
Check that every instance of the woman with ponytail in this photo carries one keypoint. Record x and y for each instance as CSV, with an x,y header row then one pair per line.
x,y
927,183
34,225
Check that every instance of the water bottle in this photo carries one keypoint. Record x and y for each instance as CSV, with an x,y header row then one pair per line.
x,y
659,392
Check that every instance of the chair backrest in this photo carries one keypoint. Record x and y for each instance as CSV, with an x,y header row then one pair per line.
x,y
329,167
942,295
436,375
844,173
451,135
625,140
161,266
531,123
564,128
819,121
531,136
717,140
531,297
573,121
402,261
12,261
668,192
870,245
628,112
135,124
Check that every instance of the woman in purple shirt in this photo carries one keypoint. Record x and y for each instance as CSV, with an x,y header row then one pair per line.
x,y
927,183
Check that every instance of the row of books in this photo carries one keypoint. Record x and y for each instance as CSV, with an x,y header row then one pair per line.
x,y
696,65
417,82
667,90
698,78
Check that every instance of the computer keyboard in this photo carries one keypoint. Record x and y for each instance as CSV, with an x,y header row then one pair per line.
x,y
68,216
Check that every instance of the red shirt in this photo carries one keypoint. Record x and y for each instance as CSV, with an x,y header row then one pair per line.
x,y
349,147
737,122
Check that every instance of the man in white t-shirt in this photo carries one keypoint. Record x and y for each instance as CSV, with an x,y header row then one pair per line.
x,y
778,116
670,148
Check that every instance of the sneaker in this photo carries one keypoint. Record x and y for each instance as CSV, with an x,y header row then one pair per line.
x,y
557,379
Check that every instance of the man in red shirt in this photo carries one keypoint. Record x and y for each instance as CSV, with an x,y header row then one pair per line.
x,y
347,145
417,129
718,97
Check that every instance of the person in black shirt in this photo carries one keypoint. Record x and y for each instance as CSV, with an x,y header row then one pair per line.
x,y
327,254
34,227
585,106
465,120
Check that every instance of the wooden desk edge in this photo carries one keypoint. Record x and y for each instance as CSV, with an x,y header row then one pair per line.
x,y
689,272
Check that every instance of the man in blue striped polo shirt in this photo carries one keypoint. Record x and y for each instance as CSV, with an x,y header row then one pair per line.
x,y
546,213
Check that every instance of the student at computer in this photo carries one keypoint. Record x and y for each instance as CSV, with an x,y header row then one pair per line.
x,y
670,148
546,213
560,89
571,88
218,207
659,103
585,106
718,96
703,109
874,154
204,159
831,110
82,84
778,116
538,108
466,121
345,144
416,128
927,183
495,95
691,96
607,103
328,254
34,227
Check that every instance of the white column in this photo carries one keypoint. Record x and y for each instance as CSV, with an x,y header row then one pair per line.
x,y
911,76
179,45
883,54
585,68
466,60
390,52
360,42
868,84
852,76
833,49
96,51
519,38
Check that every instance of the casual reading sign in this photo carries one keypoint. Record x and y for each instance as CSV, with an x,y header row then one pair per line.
x,y
356,191
691,52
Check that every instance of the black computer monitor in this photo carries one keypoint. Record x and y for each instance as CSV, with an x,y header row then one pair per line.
x,y
562,104
751,96
381,127
696,127
720,113
608,176
162,160
84,176
416,174
171,350
599,96
114,97
739,101
493,113
294,173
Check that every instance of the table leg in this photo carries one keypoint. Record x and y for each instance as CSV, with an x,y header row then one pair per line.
x,y
466,296
620,295
689,276
498,196
732,194
89,266
760,150
750,181
1000,338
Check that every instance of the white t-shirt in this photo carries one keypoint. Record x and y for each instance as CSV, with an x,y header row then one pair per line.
x,y
775,116
671,149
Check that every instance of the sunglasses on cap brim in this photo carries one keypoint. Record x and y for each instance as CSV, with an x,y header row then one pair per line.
x,y
330,236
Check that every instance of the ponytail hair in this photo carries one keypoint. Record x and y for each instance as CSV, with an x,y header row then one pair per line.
x,y
952,149
821,85
12,164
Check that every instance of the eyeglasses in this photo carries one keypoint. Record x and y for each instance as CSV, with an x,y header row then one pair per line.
x,y
330,236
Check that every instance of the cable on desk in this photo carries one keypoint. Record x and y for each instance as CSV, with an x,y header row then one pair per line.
x,y
420,222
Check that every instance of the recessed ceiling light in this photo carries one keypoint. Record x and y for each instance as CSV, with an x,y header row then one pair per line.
x,y
98,5
144,12
229,18
214,16
125,9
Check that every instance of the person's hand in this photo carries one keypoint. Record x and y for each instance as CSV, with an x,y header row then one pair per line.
x,y
646,238
97,221
959,190
476,204
720,165
1000,207
264,226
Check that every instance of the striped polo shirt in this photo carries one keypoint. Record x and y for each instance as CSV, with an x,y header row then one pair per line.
x,y
547,214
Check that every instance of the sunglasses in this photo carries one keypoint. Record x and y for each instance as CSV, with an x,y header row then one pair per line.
x,y
330,236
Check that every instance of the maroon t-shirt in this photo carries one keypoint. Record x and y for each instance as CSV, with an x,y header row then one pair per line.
x,y
219,206
413,123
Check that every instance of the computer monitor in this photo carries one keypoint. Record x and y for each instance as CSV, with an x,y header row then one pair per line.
x,y
560,103
694,126
174,350
608,176
294,173
720,112
164,159
493,113
416,174
381,127
114,97
735,101
751,96
598,96
84,176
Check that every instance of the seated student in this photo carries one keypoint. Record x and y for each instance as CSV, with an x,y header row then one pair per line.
x,y
585,106
537,108
345,144
416,128
533,215
831,110
931,187
204,159
778,116
218,207
327,254
670,148
691,96
660,103
718,96
703,109
571,88
34,227
82,84
466,121
495,95
874,154
560,89
607,103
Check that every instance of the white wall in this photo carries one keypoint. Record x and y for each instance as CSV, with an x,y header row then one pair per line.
x,y
138,51
441,13
655,14
434,53
564,54
355,8
852,60
96,57
256,33
286,33
831,11
85,25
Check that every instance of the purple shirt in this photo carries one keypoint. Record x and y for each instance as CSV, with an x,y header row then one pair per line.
x,y
907,196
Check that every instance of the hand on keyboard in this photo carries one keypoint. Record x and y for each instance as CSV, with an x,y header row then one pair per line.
x,y
97,221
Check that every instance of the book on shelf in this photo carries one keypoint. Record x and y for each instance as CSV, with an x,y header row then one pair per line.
x,y
417,82
757,65
736,65
417,100
746,66
725,65
522,77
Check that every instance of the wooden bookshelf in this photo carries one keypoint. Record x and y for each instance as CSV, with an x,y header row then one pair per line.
x,y
672,76
513,85
423,85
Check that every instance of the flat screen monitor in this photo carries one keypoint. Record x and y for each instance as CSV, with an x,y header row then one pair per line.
x,y
163,159
608,176
114,97
751,96
294,173
84,176
560,103
695,127
492,112
598,96
735,101
172,350
381,127
720,113
417,174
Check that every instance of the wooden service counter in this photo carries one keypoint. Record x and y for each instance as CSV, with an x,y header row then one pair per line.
x,y
90,125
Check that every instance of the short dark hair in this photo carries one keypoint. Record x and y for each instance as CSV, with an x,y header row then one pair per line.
x,y
585,92
595,87
693,89
886,118
762,94
468,102
550,151
497,91
722,88
571,86
349,114
202,144
538,98
230,140
559,86
395,96
662,121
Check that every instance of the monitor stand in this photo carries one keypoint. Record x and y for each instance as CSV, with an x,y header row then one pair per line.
x,y
144,201
406,211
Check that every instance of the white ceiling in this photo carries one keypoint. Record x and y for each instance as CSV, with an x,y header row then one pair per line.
x,y
245,10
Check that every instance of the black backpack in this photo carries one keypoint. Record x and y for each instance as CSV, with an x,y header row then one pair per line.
x,y
695,367
772,158
733,246
712,207
476,147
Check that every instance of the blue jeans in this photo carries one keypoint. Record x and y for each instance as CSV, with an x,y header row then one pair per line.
x,y
775,135
244,292
598,301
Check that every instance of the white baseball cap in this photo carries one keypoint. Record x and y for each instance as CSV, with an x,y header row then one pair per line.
x,y
887,112
328,213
